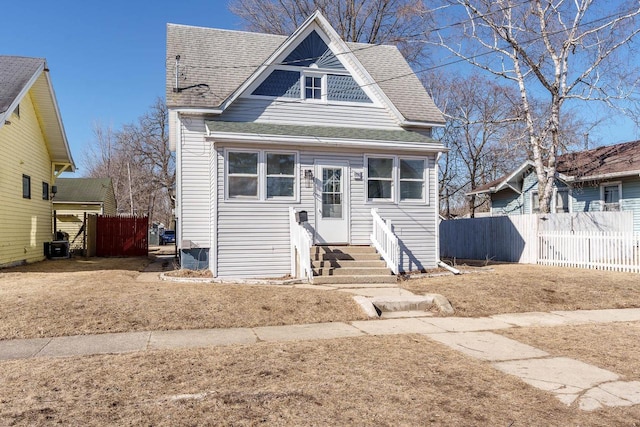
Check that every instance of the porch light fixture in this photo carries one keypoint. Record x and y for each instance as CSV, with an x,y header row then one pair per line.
x,y
308,177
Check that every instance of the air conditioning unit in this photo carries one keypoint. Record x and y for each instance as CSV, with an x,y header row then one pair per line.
x,y
58,249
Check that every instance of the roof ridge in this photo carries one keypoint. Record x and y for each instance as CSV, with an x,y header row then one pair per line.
x,y
225,30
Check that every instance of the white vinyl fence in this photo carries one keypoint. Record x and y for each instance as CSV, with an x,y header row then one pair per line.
x,y
602,240
602,251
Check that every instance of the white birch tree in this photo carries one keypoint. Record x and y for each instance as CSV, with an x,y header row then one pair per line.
x,y
557,51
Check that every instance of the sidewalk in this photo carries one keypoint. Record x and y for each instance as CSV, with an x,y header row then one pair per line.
x,y
570,380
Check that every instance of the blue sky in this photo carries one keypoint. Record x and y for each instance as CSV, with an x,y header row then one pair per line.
x,y
107,59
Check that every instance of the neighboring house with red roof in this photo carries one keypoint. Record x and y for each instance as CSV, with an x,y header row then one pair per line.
x,y
35,151
263,123
601,179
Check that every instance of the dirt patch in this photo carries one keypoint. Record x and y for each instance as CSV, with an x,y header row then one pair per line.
x,y
201,274
386,381
102,297
513,288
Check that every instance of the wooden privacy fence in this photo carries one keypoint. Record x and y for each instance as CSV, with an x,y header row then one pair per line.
x,y
499,238
122,236
602,251
603,240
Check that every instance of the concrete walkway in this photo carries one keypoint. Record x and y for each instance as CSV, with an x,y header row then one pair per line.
x,y
569,380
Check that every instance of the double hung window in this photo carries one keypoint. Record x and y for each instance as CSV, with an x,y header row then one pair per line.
x,y
242,174
394,179
261,175
610,194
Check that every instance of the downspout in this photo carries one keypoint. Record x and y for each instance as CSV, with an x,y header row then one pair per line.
x,y
437,217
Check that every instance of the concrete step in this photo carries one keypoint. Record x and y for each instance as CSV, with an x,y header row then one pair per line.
x,y
337,263
323,280
352,271
347,249
345,256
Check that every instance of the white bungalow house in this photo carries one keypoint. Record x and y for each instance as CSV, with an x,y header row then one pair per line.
x,y
266,126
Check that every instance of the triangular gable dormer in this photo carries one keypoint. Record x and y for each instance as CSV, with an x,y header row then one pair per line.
x,y
315,65
310,71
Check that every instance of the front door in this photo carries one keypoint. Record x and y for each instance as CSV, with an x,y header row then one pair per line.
x,y
332,202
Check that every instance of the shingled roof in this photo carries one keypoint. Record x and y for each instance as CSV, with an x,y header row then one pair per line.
x,y
19,76
15,74
611,161
83,190
214,63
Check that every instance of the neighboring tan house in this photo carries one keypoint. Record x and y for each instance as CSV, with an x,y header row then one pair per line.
x,y
35,152
76,197
601,179
263,123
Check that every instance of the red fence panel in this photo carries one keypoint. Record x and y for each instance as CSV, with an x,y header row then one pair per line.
x,y
122,236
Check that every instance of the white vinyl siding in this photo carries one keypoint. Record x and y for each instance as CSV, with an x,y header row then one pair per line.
x,y
194,208
253,238
310,114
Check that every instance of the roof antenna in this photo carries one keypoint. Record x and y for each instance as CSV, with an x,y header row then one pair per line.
x,y
176,88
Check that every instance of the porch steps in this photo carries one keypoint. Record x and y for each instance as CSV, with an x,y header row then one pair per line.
x,y
349,264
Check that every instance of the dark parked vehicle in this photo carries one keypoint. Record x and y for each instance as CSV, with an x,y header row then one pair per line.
x,y
169,236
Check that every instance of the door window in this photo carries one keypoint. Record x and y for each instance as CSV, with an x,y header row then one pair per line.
x,y
332,192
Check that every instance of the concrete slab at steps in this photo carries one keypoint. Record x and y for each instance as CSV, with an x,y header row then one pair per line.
x,y
351,271
328,280
381,292
402,302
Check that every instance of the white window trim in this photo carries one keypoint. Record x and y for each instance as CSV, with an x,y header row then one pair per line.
x,y
226,176
262,177
395,181
323,85
555,199
296,176
610,184
534,193
425,180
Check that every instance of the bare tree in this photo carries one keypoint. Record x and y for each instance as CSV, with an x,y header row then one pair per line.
x,y
481,121
555,50
138,160
367,21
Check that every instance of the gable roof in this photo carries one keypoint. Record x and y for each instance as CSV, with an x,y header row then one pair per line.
x,y
19,76
612,161
83,190
215,64
603,162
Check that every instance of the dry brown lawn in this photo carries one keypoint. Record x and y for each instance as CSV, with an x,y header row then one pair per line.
x,y
386,381
102,295
382,381
515,288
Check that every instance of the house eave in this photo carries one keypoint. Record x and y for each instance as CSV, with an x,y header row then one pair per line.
x,y
422,125
251,138
603,176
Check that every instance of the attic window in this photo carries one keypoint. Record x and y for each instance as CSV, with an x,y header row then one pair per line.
x,y
312,71
313,87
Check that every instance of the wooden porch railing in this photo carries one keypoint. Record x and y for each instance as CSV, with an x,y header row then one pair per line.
x,y
301,242
385,242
